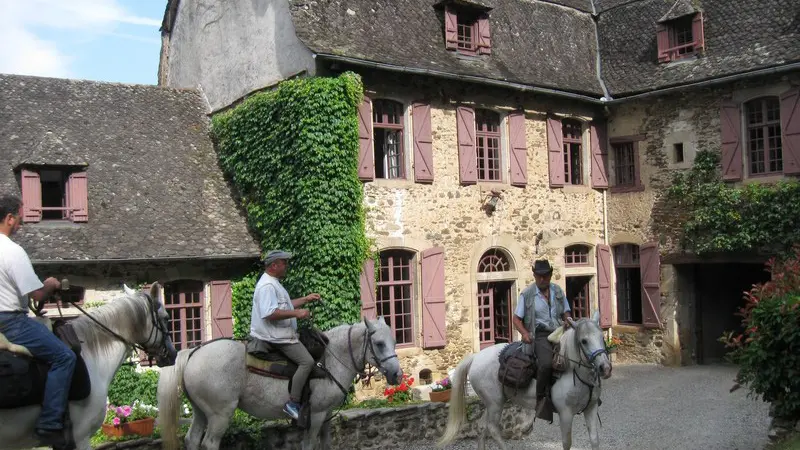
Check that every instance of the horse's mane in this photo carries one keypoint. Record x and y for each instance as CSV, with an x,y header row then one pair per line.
x,y
123,315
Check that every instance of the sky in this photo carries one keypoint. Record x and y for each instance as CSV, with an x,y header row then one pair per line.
x,y
102,40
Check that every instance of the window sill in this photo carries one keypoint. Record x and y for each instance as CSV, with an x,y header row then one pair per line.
x,y
628,328
53,224
393,182
626,189
403,352
577,188
767,178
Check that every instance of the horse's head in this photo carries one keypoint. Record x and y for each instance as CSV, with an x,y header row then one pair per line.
x,y
154,336
380,340
591,344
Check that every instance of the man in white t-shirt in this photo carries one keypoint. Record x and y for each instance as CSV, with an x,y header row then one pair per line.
x,y
17,282
274,320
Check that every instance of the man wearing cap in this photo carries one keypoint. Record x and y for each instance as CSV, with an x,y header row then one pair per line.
x,y
541,308
274,320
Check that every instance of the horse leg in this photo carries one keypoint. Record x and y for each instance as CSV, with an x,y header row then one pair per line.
x,y
217,425
195,435
590,415
494,411
312,433
325,434
566,428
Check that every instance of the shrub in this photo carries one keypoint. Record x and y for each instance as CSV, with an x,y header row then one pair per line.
x,y
129,385
400,394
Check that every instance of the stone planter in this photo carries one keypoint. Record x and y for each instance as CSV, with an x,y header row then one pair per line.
x,y
141,427
441,396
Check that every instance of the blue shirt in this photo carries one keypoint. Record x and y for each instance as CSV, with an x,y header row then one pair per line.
x,y
545,315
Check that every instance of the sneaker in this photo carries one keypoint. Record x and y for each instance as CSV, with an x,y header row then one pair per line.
x,y
50,438
292,409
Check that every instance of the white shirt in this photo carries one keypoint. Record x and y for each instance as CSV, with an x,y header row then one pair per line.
x,y
17,278
269,296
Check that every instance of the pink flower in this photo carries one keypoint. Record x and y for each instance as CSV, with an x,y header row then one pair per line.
x,y
126,411
116,421
119,410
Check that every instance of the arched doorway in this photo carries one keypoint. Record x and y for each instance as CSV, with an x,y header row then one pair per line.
x,y
496,278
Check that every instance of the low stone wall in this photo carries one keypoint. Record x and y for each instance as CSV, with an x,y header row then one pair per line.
x,y
640,346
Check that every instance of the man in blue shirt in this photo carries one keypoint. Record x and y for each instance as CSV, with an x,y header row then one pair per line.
x,y
541,308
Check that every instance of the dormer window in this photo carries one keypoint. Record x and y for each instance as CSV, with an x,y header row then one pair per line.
x,y
680,37
467,30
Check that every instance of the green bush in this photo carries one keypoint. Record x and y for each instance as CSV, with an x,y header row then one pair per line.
x,y
129,385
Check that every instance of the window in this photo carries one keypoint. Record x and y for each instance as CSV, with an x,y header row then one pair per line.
x,y
764,147
395,296
53,194
677,153
467,27
184,301
576,255
73,295
494,300
487,144
573,151
467,30
625,164
578,295
629,284
680,37
494,260
387,126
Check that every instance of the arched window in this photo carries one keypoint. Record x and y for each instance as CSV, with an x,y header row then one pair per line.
x,y
494,260
395,297
576,255
387,125
494,300
184,301
629,283
764,146
487,145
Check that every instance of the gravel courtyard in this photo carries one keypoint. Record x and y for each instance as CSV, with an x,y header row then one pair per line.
x,y
652,407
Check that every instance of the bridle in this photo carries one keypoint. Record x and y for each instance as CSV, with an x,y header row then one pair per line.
x,y
588,360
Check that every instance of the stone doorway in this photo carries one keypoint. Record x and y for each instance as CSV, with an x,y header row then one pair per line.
x,y
494,313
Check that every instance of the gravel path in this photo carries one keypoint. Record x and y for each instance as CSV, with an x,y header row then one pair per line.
x,y
653,407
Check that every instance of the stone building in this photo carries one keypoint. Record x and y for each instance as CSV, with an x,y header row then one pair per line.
x,y
120,184
497,132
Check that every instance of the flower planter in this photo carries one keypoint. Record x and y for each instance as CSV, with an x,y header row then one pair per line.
x,y
141,427
441,396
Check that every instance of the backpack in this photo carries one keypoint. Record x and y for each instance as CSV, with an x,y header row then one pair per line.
x,y
517,368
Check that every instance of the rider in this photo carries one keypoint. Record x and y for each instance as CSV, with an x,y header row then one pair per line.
x,y
274,320
17,282
541,308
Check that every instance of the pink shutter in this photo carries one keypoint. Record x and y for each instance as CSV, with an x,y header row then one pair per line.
x,y
423,143
697,32
519,148
366,155
662,38
467,158
368,290
731,125
78,197
604,285
143,361
31,197
555,151
650,265
434,332
790,130
484,35
450,29
222,307
599,147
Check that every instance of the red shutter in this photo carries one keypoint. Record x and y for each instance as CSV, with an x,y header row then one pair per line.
x,y
731,125
790,129
467,158
366,155
519,148
604,285
222,307
368,290
599,147
650,265
78,197
423,143
555,151
662,37
697,32
484,35
450,29
31,197
434,332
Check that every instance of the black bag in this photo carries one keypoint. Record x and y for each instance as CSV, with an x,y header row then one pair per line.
x,y
517,368
314,341
16,381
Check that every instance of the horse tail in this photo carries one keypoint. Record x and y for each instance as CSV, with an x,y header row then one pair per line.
x,y
169,390
458,410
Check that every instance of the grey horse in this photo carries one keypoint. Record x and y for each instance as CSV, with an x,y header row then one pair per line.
x,y
217,382
577,390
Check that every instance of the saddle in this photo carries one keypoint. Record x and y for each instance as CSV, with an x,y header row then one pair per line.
x,y
518,369
23,377
266,360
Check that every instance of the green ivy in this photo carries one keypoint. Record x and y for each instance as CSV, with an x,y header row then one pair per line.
x,y
128,385
720,217
292,153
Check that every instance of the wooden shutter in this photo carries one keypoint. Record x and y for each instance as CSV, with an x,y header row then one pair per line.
x,y
731,127
604,285
434,332
31,197
484,35
790,130
467,158
78,197
599,147
143,361
222,308
650,265
368,309
450,29
662,38
518,141
366,155
697,32
555,151
423,143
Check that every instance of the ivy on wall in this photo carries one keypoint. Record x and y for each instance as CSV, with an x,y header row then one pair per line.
x,y
292,153
720,217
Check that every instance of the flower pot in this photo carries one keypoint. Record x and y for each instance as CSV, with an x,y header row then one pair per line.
x,y
141,427
441,396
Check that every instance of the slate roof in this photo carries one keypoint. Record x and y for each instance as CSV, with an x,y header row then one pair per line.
x,y
155,189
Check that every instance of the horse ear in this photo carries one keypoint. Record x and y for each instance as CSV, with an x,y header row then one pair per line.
x,y
155,292
369,325
127,290
596,317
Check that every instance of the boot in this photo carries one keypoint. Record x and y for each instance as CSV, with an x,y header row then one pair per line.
x,y
544,409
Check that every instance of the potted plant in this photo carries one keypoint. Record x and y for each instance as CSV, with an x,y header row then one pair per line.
x,y
612,344
126,420
440,392
401,393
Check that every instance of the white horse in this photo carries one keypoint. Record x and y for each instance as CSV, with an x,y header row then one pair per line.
x,y
577,390
216,382
107,335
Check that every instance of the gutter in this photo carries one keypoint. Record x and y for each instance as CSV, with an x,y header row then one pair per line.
x,y
453,76
150,260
